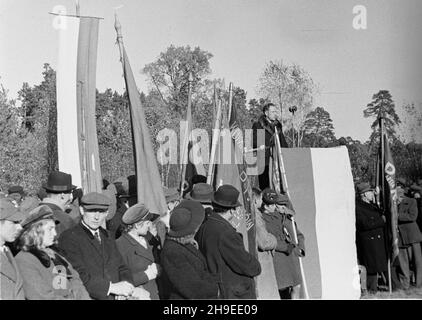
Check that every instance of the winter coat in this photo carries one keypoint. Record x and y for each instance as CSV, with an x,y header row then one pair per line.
x,y
97,264
286,262
370,241
48,279
187,272
226,256
408,229
11,281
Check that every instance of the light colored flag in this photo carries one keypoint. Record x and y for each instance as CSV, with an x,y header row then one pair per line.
x,y
77,140
322,193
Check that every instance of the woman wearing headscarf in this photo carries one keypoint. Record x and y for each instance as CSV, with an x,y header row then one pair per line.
x,y
182,262
46,274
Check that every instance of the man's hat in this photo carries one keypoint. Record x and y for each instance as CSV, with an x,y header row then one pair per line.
x,y
171,194
9,212
201,192
29,204
363,187
269,196
59,182
226,196
137,213
186,218
95,201
16,189
38,214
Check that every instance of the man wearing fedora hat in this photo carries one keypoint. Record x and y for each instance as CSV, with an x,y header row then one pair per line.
x,y
202,192
136,249
224,250
94,254
184,266
11,281
59,194
370,243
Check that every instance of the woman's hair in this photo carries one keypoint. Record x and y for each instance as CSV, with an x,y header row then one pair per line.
x,y
32,237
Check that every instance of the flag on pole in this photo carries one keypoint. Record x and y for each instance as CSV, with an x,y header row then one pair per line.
x,y
77,140
387,192
149,188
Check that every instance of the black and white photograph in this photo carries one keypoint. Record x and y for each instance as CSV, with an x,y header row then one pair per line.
x,y
210,154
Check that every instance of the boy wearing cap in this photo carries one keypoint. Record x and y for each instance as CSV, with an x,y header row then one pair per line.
x,y
278,221
224,250
94,254
11,281
136,249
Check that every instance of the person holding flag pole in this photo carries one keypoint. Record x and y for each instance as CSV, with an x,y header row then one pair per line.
x,y
282,187
387,197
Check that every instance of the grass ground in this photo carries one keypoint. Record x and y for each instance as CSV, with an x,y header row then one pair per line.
x,y
411,293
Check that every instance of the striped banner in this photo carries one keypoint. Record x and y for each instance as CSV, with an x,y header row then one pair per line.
x,y
322,192
77,140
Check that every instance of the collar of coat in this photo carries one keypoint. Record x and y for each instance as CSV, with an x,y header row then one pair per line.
x,y
218,218
89,233
267,125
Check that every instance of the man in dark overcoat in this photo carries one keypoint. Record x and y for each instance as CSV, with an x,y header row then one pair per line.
x,y
409,240
370,241
266,125
224,250
94,254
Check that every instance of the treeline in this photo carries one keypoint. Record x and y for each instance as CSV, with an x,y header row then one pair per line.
x,y
28,126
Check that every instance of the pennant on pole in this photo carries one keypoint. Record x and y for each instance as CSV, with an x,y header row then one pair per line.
x,y
149,188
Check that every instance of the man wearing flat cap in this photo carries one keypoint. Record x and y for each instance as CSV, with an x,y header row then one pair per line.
x,y
224,250
278,220
370,244
137,250
11,281
59,189
94,254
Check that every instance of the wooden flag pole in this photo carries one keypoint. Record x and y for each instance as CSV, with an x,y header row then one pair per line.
x,y
286,188
185,154
215,140
382,165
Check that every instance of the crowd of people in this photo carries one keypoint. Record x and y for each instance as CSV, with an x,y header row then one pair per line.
x,y
373,238
63,244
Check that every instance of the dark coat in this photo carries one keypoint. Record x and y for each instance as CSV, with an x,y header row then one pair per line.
x,y
11,281
370,242
187,272
115,224
226,256
286,263
66,222
263,123
138,258
97,265
49,283
408,229
419,218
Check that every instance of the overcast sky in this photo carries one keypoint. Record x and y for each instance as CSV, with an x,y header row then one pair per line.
x,y
349,65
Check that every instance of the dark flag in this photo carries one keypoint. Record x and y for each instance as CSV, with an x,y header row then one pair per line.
x,y
387,193
149,188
